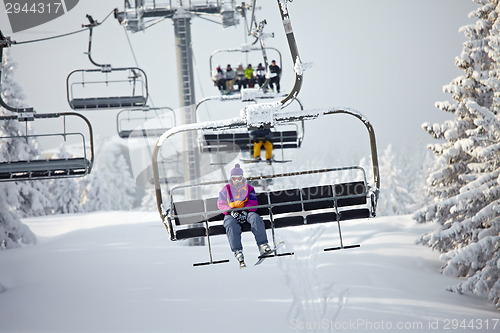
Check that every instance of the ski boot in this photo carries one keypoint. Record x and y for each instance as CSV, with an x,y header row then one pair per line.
x,y
265,249
241,259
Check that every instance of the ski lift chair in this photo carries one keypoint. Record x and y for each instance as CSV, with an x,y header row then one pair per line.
x,y
144,122
287,136
305,205
77,165
188,217
107,88
246,49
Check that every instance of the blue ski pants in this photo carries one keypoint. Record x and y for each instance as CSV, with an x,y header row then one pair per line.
x,y
233,230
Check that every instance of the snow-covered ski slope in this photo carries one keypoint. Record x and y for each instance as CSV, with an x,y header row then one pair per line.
x,y
118,272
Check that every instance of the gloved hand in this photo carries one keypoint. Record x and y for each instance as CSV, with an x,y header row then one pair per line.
x,y
240,215
236,214
243,216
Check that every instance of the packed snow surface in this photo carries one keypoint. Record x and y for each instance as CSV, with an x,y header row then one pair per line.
x,y
119,272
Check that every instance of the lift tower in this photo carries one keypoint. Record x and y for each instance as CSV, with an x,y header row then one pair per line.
x,y
135,18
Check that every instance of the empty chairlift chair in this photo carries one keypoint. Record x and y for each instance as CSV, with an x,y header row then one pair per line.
x,y
78,164
107,88
144,122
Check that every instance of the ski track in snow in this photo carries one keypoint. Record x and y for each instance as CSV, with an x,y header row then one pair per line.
x,y
313,298
119,272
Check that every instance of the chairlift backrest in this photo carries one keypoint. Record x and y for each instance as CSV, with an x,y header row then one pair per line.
x,y
311,205
144,122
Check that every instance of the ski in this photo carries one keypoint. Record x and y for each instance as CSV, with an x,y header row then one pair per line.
x,y
264,256
272,254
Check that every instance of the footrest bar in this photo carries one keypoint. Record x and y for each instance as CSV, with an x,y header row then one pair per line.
x,y
342,248
210,263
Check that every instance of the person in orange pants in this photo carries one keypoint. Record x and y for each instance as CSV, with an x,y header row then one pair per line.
x,y
262,137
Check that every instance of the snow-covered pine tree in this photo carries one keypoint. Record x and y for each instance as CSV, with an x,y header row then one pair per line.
x,y
94,194
122,186
36,198
465,181
12,230
395,197
111,185
148,202
65,192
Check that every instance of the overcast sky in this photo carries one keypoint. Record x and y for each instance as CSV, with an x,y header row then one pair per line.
x,y
387,59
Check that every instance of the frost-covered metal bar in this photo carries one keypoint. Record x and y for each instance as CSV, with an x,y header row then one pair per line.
x,y
312,114
297,63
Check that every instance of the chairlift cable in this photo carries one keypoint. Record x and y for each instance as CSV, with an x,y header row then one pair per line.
x,y
131,48
206,19
155,23
135,59
49,38
61,35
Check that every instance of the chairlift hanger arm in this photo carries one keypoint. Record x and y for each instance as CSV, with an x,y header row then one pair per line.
x,y
91,26
287,25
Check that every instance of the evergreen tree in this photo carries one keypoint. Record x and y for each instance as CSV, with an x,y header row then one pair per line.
x,y
95,195
111,185
465,181
36,199
395,197
12,230
148,202
65,192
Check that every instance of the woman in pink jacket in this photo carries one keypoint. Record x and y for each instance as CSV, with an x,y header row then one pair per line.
x,y
239,194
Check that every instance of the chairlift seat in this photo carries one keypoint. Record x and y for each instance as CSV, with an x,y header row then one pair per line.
x,y
151,132
279,209
20,170
107,102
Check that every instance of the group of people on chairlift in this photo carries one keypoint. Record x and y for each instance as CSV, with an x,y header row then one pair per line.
x,y
247,77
